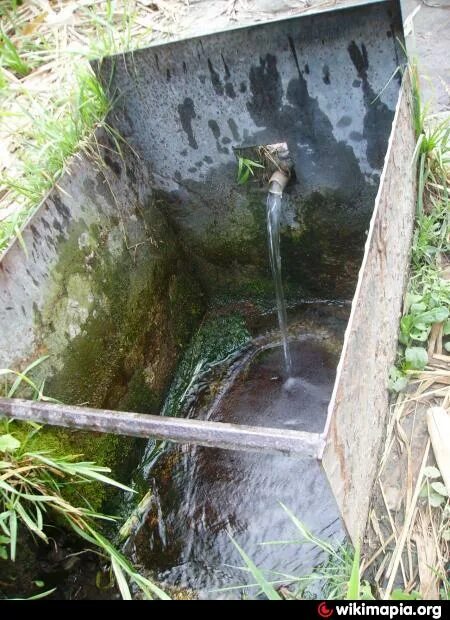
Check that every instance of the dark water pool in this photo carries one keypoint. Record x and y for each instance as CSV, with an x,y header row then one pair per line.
x,y
203,495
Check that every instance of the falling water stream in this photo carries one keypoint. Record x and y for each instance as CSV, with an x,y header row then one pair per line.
x,y
273,229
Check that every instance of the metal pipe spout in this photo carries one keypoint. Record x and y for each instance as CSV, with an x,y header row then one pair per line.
x,y
278,182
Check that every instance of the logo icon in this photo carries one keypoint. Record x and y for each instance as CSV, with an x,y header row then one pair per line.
x,y
324,611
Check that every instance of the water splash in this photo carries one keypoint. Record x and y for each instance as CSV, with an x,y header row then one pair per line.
x,y
273,229
162,531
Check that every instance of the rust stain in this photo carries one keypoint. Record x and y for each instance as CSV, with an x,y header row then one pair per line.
x,y
340,453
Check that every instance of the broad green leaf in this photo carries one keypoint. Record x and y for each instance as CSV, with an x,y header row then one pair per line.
x,y
403,339
412,298
420,336
447,346
432,472
417,357
436,315
447,328
440,488
397,380
8,443
435,499
418,308
420,326
406,324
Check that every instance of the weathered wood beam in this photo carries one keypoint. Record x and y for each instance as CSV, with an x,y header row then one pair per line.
x,y
180,430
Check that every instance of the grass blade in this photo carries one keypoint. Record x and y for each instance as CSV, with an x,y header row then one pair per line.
x,y
354,581
13,534
121,581
265,585
36,597
309,537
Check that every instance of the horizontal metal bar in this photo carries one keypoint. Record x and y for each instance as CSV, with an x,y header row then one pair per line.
x,y
180,430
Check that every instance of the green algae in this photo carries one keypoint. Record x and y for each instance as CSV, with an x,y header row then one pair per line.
x,y
323,235
115,322
322,248
139,397
110,314
216,339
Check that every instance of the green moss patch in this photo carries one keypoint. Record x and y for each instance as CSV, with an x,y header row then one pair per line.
x,y
216,339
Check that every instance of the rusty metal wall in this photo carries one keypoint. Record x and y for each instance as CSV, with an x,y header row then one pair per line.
x,y
359,405
360,401
322,83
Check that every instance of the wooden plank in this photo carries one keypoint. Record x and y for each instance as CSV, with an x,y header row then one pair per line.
x,y
180,430
360,401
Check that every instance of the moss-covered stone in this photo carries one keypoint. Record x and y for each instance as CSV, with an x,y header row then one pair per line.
x,y
115,322
112,312
139,396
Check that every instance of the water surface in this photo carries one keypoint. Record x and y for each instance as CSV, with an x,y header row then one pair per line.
x,y
202,495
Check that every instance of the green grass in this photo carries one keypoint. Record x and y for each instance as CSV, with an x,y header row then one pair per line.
x,y
428,297
32,485
246,169
50,100
10,57
335,577
57,138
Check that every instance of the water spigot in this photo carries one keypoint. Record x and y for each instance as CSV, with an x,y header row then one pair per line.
x,y
278,182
